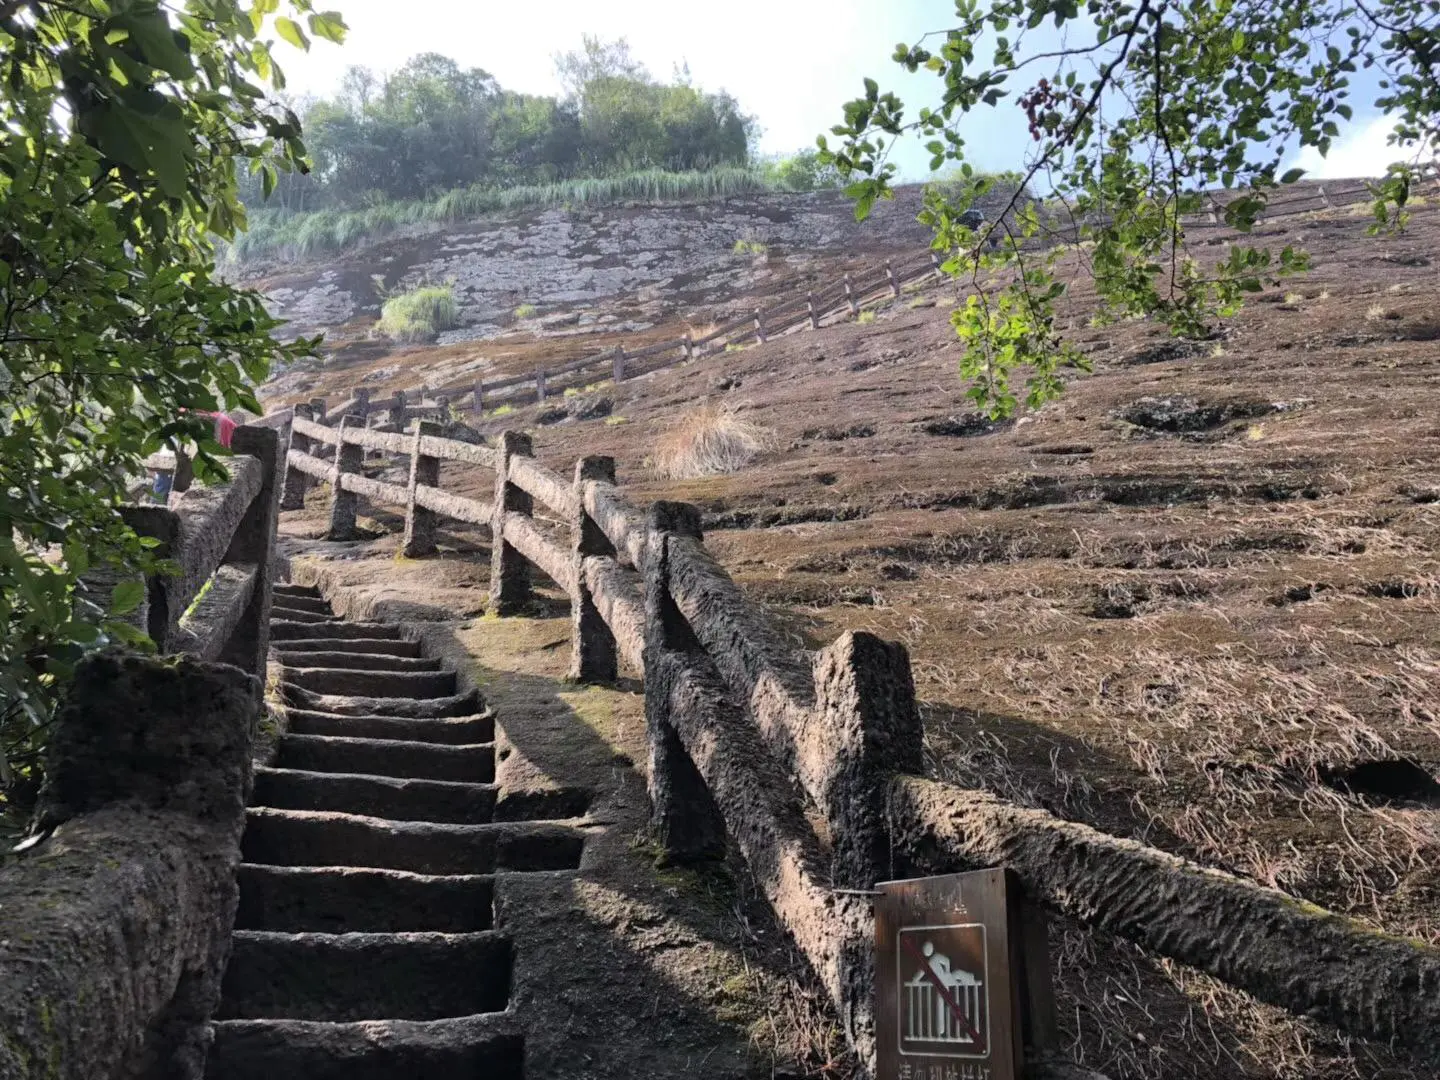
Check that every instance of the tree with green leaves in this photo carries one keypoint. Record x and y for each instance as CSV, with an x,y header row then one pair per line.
x,y
122,126
1136,110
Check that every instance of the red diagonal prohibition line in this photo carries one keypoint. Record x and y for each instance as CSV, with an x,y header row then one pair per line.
x,y
944,990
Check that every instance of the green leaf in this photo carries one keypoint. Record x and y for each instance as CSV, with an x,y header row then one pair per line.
x,y
1292,175
329,26
77,558
290,30
126,597
144,131
162,46
130,635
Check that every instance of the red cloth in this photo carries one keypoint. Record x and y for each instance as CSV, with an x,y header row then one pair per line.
x,y
224,426
224,429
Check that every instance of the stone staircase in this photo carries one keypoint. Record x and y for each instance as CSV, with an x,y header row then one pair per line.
x,y
365,945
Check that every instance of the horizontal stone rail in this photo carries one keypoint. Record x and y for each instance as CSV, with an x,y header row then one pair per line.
x,y
390,442
115,924
377,490
311,429
205,519
311,466
521,532
456,506
620,598
212,620
1281,950
622,523
549,487
657,349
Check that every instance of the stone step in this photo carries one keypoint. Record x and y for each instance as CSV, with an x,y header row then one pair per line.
x,y
299,630
417,684
346,977
448,732
470,763
485,1047
466,704
286,588
316,605
376,796
337,900
289,614
363,661
318,838
352,646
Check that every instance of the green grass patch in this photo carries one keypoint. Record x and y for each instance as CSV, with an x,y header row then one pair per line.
x,y
750,247
616,421
503,410
865,318
525,311
277,233
420,314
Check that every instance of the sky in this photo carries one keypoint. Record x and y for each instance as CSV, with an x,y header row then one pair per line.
x,y
791,63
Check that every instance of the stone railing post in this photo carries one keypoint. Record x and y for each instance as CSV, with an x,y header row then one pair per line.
x,y
850,295
618,364
397,410
759,326
865,705
317,408
297,482
153,615
687,823
894,280
594,657
477,403
810,307
348,459
420,523
442,404
362,403
509,570
540,386
689,347
254,544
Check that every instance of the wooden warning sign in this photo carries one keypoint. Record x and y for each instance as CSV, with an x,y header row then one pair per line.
x,y
956,992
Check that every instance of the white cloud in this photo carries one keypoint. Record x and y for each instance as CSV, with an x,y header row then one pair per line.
x,y
1360,152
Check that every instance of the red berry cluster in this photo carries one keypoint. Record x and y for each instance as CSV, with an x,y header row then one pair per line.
x,y
1044,98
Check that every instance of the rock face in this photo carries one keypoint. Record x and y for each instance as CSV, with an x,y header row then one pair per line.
x,y
673,256
114,928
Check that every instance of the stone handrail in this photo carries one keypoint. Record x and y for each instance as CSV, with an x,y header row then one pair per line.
x,y
812,307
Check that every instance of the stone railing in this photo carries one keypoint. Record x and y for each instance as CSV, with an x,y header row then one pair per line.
x,y
115,918
841,299
216,606
812,762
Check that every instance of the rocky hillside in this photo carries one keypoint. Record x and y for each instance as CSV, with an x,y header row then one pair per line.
x,y
653,261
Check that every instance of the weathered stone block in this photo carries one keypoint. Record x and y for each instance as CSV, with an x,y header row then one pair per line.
x,y
114,928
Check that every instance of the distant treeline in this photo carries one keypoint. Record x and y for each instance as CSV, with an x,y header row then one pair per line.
x,y
433,127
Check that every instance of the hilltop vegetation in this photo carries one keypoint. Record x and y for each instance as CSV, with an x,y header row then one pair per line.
x,y
435,143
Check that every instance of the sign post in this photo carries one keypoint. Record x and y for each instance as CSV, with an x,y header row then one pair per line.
x,y
962,979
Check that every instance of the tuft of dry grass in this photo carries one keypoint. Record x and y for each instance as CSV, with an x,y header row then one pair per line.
x,y
707,441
